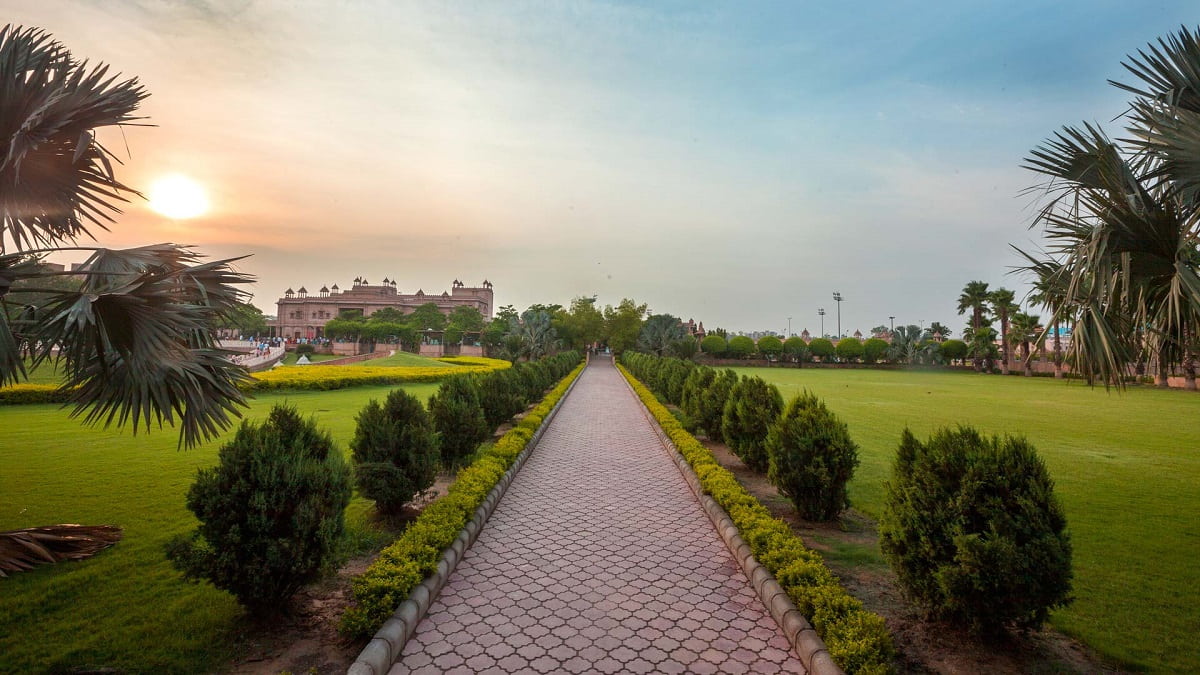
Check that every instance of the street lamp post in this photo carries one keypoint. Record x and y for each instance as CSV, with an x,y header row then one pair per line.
x,y
893,320
789,332
821,313
838,298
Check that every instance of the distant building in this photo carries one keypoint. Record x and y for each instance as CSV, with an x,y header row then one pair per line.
x,y
304,315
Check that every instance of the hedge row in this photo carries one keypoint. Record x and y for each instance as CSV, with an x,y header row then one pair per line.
x,y
414,556
19,394
857,639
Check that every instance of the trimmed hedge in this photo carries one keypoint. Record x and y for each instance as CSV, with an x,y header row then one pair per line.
x,y
857,639
414,556
339,377
20,394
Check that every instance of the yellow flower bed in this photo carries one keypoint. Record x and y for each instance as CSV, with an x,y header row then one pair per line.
x,y
339,377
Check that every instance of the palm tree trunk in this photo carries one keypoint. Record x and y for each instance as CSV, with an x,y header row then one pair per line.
x,y
1160,379
1189,361
1057,353
1004,342
1028,359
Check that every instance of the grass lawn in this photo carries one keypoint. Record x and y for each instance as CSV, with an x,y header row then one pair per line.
x,y
290,359
405,360
1126,467
126,608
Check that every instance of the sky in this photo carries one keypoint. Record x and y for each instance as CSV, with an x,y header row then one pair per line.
x,y
735,163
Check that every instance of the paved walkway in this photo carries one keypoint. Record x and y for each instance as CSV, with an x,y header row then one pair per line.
x,y
599,559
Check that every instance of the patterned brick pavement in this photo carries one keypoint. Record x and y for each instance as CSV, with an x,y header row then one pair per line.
x,y
598,560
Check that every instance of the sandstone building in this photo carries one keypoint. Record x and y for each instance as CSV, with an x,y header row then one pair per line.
x,y
304,315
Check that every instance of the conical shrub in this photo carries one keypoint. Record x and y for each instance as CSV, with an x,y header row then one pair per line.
x,y
395,451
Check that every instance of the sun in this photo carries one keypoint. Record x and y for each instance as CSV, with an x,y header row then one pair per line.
x,y
178,197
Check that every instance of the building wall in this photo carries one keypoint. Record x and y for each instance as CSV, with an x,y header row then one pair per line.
x,y
305,315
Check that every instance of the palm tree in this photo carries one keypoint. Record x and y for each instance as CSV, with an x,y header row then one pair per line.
x,y
1125,227
538,337
974,297
981,347
1026,330
906,344
135,338
938,331
1002,301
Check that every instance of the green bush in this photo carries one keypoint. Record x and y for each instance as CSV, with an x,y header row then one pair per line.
x,y
458,419
675,375
395,451
690,401
752,407
770,346
270,512
811,458
500,396
740,347
953,350
712,404
849,349
874,349
713,345
796,349
974,532
822,348
305,349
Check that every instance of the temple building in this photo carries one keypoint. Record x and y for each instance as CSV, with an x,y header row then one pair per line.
x,y
304,315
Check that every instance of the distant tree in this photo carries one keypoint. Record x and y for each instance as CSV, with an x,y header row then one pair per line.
x,y
849,349
584,323
538,338
953,350
942,331
874,349
770,346
466,319
1002,301
686,349
1026,331
659,333
822,348
623,324
389,314
906,344
879,330
427,317
982,348
740,346
713,345
796,349
974,298
245,319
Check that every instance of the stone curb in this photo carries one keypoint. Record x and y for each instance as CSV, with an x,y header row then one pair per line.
x,y
799,632
387,645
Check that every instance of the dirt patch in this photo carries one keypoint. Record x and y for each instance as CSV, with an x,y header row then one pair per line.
x,y
306,640
850,548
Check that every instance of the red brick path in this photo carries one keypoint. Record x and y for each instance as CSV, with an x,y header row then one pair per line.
x,y
598,560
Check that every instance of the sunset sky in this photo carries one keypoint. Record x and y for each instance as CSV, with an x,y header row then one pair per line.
x,y
733,162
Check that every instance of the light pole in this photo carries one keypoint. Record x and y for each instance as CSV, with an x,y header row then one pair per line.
x,y
789,333
821,313
838,298
893,320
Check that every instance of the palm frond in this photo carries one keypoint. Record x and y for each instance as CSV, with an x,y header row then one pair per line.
x,y
22,550
55,179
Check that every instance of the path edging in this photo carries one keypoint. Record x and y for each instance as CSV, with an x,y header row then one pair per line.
x,y
799,632
387,645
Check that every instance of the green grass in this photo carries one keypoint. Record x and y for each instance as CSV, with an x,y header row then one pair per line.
x,y
292,357
405,360
127,608
1126,467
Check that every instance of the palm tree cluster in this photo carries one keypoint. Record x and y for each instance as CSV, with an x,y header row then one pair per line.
x,y
133,336
1122,221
